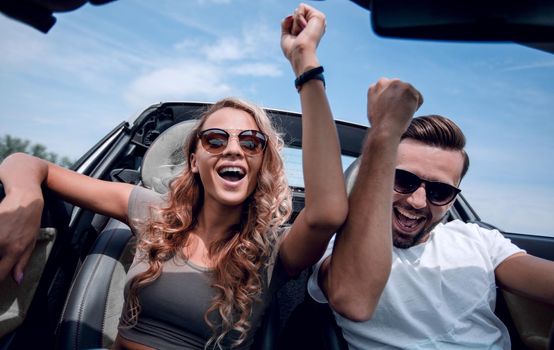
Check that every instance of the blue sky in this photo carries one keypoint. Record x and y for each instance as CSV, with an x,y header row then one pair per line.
x,y
101,65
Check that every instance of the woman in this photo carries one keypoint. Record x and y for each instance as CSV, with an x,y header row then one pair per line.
x,y
210,254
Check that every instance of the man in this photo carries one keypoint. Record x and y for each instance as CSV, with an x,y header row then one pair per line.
x,y
442,286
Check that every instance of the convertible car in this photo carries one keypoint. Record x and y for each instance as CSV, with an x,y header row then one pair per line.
x,y
72,294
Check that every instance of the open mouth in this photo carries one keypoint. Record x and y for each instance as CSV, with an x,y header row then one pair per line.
x,y
231,173
408,221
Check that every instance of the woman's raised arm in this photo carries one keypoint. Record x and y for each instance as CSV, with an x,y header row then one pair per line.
x,y
326,203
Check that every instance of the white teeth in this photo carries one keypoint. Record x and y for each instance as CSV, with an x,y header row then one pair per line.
x,y
231,168
409,215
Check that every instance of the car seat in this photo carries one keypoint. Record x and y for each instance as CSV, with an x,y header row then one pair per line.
x,y
533,320
95,301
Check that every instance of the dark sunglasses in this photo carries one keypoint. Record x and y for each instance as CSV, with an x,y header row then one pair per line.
x,y
215,140
438,193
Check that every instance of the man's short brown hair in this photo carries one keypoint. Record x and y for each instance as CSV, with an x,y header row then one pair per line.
x,y
438,131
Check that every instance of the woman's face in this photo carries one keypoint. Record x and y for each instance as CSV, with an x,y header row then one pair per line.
x,y
230,176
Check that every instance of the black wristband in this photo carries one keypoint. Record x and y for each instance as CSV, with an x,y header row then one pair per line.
x,y
314,73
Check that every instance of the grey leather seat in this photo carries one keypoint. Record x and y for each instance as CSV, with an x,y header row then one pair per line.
x,y
95,301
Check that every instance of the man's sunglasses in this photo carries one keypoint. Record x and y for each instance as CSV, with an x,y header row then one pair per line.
x,y
215,140
438,193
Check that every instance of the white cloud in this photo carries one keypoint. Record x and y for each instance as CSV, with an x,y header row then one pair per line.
x,y
214,1
185,81
255,42
198,66
208,70
76,57
533,65
181,12
188,44
227,48
20,44
257,70
43,121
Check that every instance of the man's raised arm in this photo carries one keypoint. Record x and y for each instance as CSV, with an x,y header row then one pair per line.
x,y
354,276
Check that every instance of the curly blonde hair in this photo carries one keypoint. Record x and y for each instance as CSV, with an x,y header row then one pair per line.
x,y
241,257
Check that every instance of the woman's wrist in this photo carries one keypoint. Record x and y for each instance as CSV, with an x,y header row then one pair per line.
x,y
303,60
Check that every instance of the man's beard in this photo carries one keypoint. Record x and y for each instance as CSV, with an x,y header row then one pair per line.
x,y
402,244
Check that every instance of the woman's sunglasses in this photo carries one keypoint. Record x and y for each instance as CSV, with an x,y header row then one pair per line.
x,y
438,193
215,140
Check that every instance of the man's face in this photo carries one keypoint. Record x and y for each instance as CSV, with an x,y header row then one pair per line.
x,y
414,217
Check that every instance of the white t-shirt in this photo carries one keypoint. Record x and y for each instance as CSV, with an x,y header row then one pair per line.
x,y
441,294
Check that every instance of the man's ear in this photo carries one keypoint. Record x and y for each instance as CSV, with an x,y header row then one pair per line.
x,y
193,167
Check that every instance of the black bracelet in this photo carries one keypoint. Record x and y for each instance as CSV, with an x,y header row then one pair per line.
x,y
314,73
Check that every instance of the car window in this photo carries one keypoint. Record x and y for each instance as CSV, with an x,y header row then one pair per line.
x,y
293,165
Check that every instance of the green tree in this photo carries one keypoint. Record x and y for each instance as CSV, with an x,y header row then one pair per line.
x,y
10,144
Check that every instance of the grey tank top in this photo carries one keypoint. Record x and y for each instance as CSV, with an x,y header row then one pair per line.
x,y
173,306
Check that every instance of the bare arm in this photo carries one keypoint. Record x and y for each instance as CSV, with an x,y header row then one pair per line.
x,y
325,195
527,275
354,276
22,176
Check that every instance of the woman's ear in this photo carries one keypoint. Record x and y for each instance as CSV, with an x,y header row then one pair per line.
x,y
193,167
